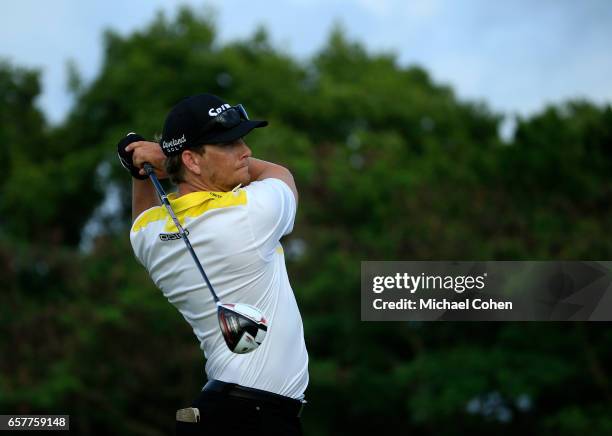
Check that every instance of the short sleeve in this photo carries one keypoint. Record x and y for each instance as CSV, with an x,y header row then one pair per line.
x,y
141,235
271,209
137,242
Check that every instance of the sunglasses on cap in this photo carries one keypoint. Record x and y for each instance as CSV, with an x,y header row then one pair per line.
x,y
227,119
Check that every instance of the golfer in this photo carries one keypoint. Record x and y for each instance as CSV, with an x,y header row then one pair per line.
x,y
235,209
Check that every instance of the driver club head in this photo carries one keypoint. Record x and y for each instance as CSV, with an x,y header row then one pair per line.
x,y
243,326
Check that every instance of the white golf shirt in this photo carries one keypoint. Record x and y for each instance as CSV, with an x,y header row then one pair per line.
x,y
236,237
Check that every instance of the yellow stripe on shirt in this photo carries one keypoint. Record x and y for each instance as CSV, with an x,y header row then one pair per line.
x,y
189,206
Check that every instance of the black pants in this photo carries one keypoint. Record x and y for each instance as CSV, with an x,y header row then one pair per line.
x,y
225,415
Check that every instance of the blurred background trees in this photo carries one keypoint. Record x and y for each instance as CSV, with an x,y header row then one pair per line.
x,y
390,166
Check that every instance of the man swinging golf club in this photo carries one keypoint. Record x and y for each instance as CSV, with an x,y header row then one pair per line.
x,y
213,249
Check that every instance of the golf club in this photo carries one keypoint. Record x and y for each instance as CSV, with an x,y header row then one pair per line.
x,y
243,326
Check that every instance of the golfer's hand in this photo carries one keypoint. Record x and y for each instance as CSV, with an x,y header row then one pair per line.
x,y
147,151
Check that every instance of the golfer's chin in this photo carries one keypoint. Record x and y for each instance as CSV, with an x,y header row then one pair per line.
x,y
243,176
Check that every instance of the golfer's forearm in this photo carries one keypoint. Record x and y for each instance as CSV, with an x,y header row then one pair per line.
x,y
260,170
143,197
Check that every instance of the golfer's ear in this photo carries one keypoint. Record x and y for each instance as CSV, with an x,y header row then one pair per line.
x,y
191,161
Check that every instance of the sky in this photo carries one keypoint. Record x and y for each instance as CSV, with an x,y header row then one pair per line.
x,y
517,56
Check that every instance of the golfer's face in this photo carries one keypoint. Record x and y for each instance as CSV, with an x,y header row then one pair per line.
x,y
227,165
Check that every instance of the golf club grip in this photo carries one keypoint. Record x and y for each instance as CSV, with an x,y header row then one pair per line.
x,y
164,199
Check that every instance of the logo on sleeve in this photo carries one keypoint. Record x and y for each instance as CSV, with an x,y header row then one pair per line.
x,y
171,236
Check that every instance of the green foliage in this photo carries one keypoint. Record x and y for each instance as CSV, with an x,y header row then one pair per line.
x,y
390,166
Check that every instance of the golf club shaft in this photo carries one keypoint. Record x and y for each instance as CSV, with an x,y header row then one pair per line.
x,y
164,199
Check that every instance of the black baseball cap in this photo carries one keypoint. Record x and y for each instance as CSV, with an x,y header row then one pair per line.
x,y
204,119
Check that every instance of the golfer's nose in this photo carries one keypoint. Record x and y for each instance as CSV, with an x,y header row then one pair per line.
x,y
246,151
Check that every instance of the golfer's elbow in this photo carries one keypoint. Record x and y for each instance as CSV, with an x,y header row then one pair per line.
x,y
286,176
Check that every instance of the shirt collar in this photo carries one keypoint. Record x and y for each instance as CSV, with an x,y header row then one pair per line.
x,y
192,199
